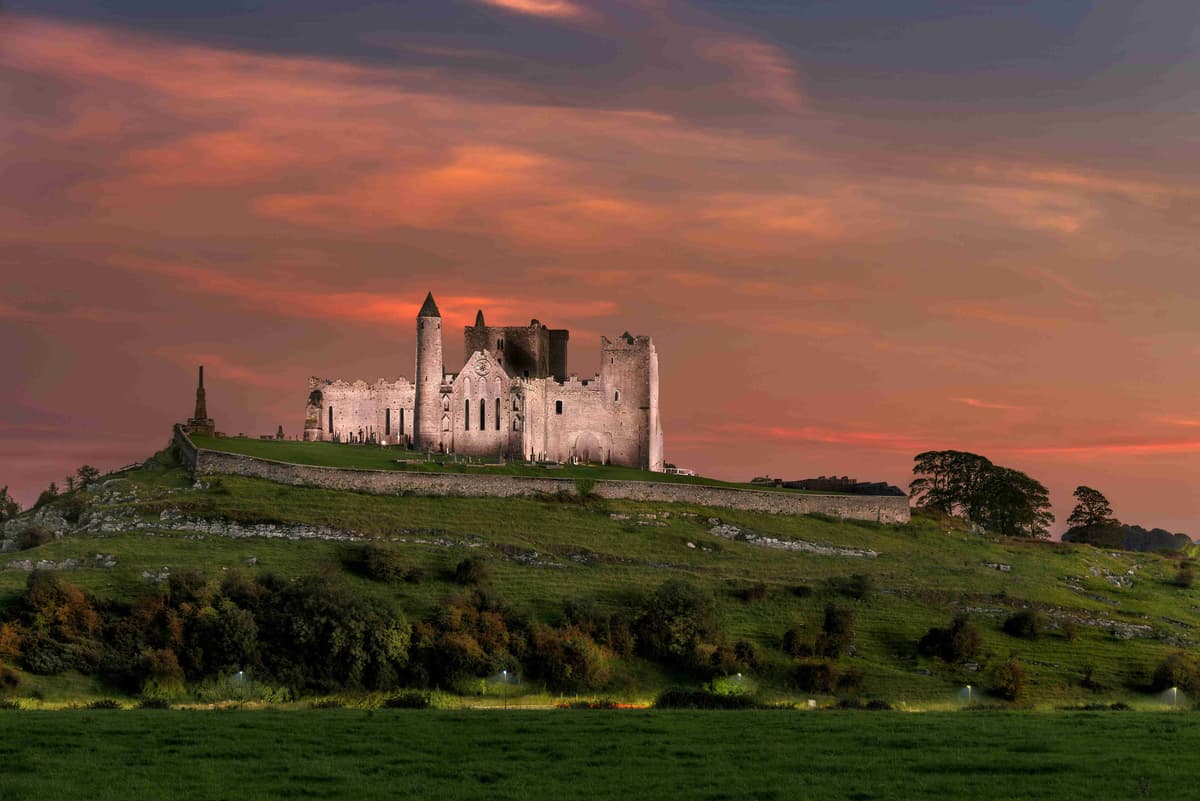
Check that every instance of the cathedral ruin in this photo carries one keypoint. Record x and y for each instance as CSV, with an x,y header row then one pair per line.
x,y
513,398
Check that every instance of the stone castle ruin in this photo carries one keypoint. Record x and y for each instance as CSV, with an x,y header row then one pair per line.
x,y
513,398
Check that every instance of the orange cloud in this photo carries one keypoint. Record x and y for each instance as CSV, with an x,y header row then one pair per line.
x,y
979,404
991,314
553,9
878,440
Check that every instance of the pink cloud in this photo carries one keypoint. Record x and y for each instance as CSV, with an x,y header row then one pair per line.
x,y
553,9
980,404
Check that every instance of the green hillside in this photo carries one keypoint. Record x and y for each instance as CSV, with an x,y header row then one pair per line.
x,y
1109,617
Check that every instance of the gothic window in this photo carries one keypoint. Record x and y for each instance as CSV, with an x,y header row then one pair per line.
x,y
499,344
387,422
400,428
558,407
482,415
446,422
466,386
516,406
467,415
516,424
446,403
330,419
617,395
497,414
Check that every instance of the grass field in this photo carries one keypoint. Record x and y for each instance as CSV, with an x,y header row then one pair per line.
x,y
345,754
374,457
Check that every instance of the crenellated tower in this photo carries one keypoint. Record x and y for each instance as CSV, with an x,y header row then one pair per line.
x,y
427,412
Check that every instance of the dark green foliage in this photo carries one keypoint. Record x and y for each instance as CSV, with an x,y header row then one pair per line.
x,y
378,563
45,656
755,592
154,703
873,705
802,590
679,624
1178,670
9,508
681,698
75,506
1127,537
408,699
1000,499
1008,680
33,536
105,703
567,660
1091,509
823,676
1027,624
859,586
957,643
86,474
837,632
1185,578
471,571
794,644
9,678
47,495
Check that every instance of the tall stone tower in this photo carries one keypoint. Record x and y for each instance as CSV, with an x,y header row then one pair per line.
x,y
200,422
427,411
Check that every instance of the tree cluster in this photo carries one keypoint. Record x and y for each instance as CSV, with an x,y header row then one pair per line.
x,y
1000,499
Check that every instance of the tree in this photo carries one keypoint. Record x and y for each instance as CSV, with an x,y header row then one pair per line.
x,y
86,475
9,508
1093,509
47,496
676,621
1015,505
949,481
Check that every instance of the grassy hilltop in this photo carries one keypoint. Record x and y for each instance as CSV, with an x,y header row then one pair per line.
x,y
1107,618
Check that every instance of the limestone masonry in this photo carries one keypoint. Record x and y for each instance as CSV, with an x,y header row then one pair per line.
x,y
513,398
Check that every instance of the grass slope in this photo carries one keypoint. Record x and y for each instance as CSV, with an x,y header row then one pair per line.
x,y
342,754
374,457
541,552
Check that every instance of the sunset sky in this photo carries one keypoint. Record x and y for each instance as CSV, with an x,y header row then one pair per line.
x,y
855,230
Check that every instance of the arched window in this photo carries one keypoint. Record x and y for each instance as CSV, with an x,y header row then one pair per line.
x,y
617,395
445,403
482,415
467,415
558,407
466,386
446,422
516,424
497,414
387,422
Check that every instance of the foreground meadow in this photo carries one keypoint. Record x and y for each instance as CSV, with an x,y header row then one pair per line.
x,y
355,754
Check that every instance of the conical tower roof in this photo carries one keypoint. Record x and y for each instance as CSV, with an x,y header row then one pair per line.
x,y
479,319
429,308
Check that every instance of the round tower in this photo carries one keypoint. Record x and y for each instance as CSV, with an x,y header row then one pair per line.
x,y
427,409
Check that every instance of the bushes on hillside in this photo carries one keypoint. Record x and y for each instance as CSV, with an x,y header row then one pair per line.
x,y
681,698
1185,578
471,571
1027,623
1008,680
837,632
33,536
956,643
679,624
1180,670
825,677
378,563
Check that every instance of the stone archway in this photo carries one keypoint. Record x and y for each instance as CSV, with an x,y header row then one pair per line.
x,y
588,448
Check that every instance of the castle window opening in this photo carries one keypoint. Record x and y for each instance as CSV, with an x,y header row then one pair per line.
x,y
617,395
467,415
330,419
558,407
482,415
400,428
516,424
387,422
497,414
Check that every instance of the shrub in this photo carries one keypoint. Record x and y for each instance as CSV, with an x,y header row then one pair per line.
x,y
76,506
858,586
414,575
1027,624
837,632
45,656
9,678
1008,680
1070,630
1185,578
755,592
585,488
104,703
471,571
162,677
957,643
746,654
327,703
823,676
801,590
793,642
33,536
1177,670
408,699
154,703
379,563
9,703
874,705
679,624
680,698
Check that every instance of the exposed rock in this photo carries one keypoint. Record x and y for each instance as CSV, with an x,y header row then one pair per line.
x,y
1003,568
732,532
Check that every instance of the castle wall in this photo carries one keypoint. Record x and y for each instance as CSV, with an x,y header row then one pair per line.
x,y
883,509
479,394
523,351
360,410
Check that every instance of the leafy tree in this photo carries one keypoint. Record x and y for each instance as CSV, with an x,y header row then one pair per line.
x,y
9,508
957,643
949,481
86,475
676,621
1092,509
1015,505
48,495
837,632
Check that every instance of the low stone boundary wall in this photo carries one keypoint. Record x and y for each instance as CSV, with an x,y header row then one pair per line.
x,y
881,508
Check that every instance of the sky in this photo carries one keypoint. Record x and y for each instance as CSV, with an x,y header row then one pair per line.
x,y
856,230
